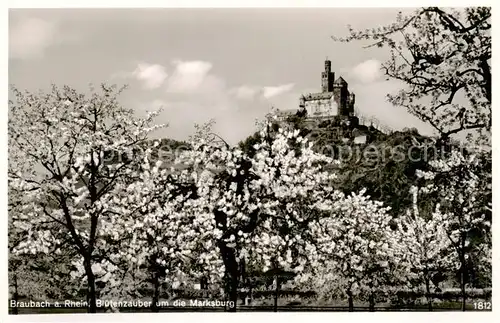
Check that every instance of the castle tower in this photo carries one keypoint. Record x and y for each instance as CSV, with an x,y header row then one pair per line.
x,y
327,77
341,96
352,100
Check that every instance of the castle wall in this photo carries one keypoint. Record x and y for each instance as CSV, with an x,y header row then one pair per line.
x,y
321,107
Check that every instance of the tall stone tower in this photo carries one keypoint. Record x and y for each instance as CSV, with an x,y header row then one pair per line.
x,y
327,77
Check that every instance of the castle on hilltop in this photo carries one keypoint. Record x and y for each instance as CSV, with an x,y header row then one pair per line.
x,y
334,100
332,111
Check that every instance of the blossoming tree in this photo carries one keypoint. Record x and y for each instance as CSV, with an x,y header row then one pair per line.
x,y
159,232
440,55
461,186
358,248
66,141
260,208
425,247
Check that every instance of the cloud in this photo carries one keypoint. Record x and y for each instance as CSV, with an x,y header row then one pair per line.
x,y
367,71
30,37
191,76
151,75
271,91
245,92
194,94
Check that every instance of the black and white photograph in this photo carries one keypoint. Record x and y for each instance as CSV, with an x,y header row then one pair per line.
x,y
213,160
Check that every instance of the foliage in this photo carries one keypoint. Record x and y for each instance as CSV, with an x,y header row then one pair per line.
x,y
262,203
95,196
425,248
441,55
157,229
360,254
58,143
386,167
461,185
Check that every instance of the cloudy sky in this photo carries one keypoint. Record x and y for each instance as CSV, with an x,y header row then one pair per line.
x,y
231,65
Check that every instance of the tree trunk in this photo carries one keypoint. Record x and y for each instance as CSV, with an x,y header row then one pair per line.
x,y
464,297
156,291
15,311
462,287
233,291
276,294
232,274
350,300
463,272
243,281
203,283
91,292
428,291
371,300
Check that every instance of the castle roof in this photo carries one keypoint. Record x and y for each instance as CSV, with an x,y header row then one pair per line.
x,y
318,96
340,81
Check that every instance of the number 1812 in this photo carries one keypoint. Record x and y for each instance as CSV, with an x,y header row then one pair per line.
x,y
482,305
